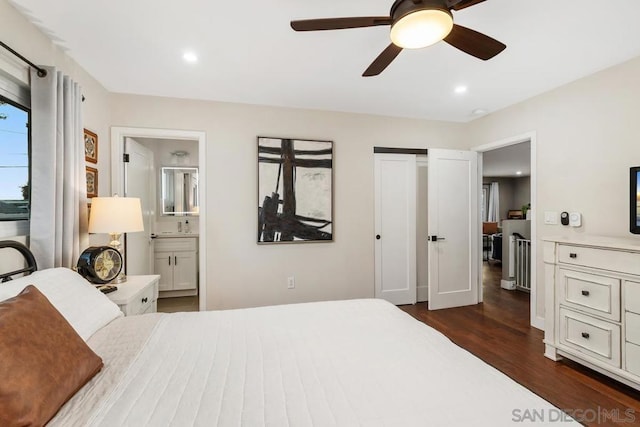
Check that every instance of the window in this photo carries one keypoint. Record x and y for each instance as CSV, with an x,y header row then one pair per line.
x,y
14,161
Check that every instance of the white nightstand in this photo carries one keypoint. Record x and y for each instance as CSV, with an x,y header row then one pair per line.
x,y
138,295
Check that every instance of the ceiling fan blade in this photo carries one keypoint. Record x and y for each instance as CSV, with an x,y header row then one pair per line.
x,y
383,60
340,23
474,43
462,4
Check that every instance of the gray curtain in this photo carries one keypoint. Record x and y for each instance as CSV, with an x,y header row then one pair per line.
x,y
58,182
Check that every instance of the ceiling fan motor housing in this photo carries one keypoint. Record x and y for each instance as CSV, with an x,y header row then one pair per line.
x,y
402,8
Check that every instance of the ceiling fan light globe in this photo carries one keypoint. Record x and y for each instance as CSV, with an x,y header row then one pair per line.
x,y
421,28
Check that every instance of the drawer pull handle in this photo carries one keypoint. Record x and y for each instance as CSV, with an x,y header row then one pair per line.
x,y
573,255
144,300
585,293
585,335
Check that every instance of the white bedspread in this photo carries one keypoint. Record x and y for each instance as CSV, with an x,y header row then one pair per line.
x,y
345,363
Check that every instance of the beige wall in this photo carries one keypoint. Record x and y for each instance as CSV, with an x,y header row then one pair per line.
x,y
588,135
241,273
521,191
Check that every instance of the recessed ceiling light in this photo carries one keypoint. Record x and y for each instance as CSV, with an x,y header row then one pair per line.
x,y
519,173
190,57
460,90
479,111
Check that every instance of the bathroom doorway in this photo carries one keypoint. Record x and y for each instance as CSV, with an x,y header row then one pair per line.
x,y
170,151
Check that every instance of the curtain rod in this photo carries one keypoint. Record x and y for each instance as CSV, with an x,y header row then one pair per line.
x,y
41,71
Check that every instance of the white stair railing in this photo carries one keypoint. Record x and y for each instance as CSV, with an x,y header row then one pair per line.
x,y
523,264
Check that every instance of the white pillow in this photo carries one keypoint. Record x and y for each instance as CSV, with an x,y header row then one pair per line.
x,y
85,307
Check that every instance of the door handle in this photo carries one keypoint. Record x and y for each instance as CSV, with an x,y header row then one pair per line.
x,y
169,259
435,238
153,236
175,260
585,293
377,237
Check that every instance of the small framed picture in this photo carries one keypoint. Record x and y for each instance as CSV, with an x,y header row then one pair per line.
x,y
92,182
90,146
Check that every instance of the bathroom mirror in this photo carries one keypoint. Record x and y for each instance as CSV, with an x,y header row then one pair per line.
x,y
179,191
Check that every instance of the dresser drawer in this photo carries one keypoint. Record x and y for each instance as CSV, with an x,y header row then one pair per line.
x,y
175,244
593,337
595,294
632,327
143,301
632,297
607,259
632,358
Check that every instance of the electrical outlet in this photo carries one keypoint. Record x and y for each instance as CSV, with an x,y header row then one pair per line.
x,y
291,282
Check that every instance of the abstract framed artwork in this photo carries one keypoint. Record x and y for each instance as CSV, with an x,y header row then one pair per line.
x,y
90,146
92,182
295,190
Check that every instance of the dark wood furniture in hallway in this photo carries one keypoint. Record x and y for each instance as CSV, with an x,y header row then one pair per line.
x,y
498,332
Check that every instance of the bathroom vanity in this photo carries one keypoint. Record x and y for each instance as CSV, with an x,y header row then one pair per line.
x,y
176,261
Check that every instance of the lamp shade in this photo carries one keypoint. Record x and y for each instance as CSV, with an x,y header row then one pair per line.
x,y
115,215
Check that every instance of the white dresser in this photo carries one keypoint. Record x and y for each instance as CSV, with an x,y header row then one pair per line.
x,y
592,304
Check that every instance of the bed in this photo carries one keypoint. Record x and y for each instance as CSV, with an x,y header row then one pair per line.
x,y
341,363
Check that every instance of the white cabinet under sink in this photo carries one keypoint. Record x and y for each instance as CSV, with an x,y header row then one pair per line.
x,y
176,261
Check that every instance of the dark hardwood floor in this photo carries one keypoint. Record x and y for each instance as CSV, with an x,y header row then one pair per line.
x,y
498,332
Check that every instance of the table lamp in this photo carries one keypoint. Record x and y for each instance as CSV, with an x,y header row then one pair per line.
x,y
116,215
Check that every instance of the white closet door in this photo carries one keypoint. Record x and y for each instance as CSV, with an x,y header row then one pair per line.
x,y
453,228
395,227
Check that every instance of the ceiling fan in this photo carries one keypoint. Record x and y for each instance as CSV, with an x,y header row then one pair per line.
x,y
414,24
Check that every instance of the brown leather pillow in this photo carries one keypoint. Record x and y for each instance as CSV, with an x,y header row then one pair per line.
x,y
43,361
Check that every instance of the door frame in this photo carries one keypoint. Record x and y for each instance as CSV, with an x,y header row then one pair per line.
x,y
536,319
118,134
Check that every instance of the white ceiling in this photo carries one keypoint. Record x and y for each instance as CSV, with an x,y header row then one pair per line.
x,y
249,54
507,161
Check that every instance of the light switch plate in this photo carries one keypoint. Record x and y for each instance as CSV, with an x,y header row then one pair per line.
x,y
551,218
